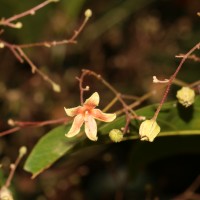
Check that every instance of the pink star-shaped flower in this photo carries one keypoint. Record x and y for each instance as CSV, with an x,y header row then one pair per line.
x,y
87,114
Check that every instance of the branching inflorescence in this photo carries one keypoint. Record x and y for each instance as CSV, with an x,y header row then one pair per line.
x,y
18,49
149,129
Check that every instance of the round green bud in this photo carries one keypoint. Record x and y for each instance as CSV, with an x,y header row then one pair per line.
x,y
56,87
22,151
185,96
18,25
88,13
116,135
148,130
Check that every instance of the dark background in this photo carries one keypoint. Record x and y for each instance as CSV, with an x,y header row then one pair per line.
x,y
127,42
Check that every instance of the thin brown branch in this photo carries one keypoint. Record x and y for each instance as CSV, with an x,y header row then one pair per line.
x,y
191,57
196,83
173,77
12,171
190,193
48,44
7,132
20,54
118,95
22,152
23,124
32,11
34,69
12,48
138,102
71,40
39,123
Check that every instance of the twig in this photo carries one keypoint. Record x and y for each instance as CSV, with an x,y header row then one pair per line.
x,y
138,102
129,116
172,78
37,123
22,152
71,40
34,69
7,22
191,57
189,193
7,132
23,124
20,54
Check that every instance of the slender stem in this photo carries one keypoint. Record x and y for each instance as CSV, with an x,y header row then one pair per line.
x,y
138,102
12,171
195,84
23,14
13,50
20,54
81,88
81,27
47,44
191,57
110,104
40,123
110,87
172,78
130,97
34,69
71,40
7,132
170,133
179,82
23,124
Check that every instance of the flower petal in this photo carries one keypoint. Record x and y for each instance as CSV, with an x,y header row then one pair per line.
x,y
93,100
71,112
76,126
105,117
91,128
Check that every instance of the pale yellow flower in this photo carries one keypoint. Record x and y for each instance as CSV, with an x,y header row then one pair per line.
x,y
148,130
186,96
87,114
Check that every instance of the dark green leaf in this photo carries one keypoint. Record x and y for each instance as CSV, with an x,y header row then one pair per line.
x,y
173,119
49,149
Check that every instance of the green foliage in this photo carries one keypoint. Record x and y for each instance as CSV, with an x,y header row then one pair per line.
x,y
173,119
50,147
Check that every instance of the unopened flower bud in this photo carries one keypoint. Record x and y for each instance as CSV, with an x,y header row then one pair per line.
x,y
116,135
18,25
2,45
149,129
11,122
22,151
88,13
56,87
185,96
5,194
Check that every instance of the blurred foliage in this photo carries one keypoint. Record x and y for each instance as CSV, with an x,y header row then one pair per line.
x,y
127,42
